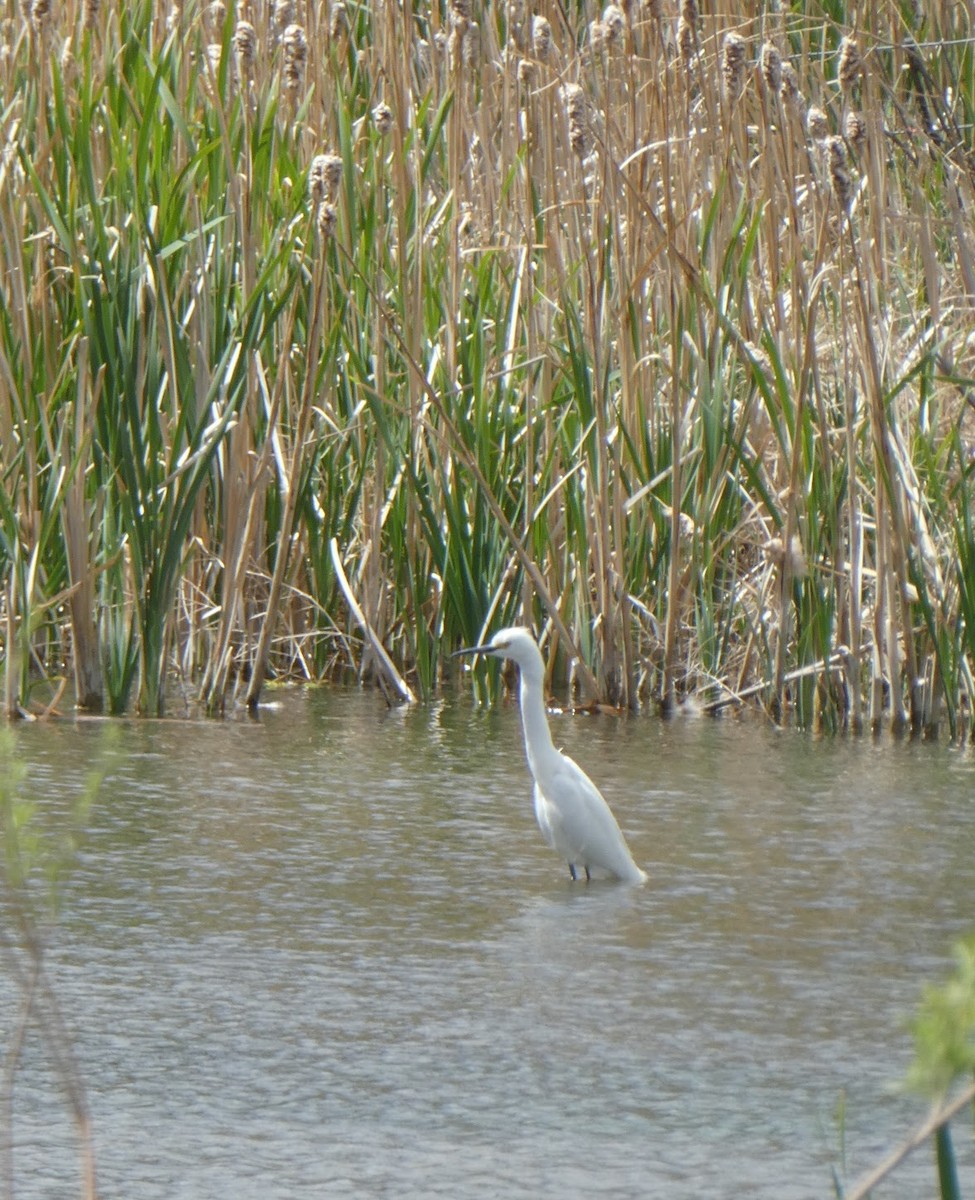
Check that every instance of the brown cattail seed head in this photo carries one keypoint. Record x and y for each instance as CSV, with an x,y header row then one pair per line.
x,y
839,176
40,15
89,14
526,70
850,64
686,38
541,37
817,125
214,15
792,559
338,21
615,23
578,141
574,100
382,118
326,217
324,177
733,64
789,89
855,128
771,68
295,46
598,36
282,15
470,46
245,42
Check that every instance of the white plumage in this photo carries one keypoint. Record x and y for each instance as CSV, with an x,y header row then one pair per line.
x,y
574,818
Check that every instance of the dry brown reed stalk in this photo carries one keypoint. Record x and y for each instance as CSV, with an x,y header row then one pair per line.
x,y
75,517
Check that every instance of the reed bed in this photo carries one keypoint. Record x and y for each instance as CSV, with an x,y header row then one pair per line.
x,y
333,337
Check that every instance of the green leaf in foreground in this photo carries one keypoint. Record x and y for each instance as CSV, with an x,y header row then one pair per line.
x,y
944,1028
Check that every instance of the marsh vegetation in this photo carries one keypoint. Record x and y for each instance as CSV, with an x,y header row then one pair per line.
x,y
335,328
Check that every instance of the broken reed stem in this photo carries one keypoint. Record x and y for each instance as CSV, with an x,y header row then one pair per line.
x,y
386,663
940,1115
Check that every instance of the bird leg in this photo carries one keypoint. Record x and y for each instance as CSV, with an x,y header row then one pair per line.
x,y
572,872
588,876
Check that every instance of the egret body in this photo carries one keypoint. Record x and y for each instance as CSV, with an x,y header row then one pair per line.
x,y
573,816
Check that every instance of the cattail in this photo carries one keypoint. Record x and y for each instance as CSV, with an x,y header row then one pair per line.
x,y
526,70
855,128
541,37
789,89
850,64
579,140
517,14
324,177
282,15
817,125
615,22
771,68
733,65
295,46
460,14
245,43
338,21
214,53
687,29
686,38
89,14
326,217
598,36
214,16
382,118
574,100
470,46
40,15
793,558
839,176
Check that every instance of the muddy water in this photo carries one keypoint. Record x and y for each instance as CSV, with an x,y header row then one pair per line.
x,y
328,954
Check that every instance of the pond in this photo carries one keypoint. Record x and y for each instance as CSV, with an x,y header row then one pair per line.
x,y
328,953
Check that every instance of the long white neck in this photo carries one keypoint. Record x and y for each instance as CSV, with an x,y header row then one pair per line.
x,y
538,737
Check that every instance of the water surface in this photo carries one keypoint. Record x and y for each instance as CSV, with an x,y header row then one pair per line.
x,y
328,953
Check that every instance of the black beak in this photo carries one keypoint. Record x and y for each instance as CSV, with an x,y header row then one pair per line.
x,y
473,650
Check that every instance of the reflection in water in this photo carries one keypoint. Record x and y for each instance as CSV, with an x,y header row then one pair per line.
x,y
328,953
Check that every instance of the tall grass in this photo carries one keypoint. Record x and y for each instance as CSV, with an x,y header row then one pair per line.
x,y
643,324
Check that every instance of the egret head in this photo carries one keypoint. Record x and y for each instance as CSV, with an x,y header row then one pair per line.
x,y
515,643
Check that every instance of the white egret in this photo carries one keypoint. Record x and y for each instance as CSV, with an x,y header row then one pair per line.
x,y
573,816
